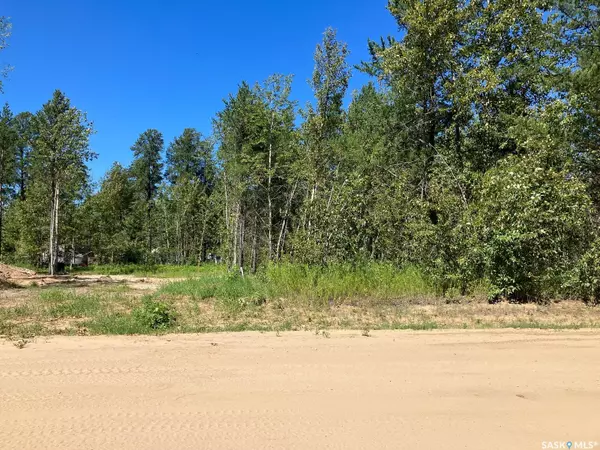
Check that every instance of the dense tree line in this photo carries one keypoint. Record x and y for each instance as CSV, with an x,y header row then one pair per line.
x,y
474,153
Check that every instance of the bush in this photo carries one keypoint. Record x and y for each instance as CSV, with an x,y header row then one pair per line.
x,y
441,232
588,275
154,314
533,222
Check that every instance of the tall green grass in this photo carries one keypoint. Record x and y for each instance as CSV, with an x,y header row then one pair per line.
x,y
320,285
59,303
339,282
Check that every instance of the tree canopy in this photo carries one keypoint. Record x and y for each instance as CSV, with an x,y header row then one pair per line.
x,y
473,153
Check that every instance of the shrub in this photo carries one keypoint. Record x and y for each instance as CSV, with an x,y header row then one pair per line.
x,y
154,314
442,233
533,221
588,275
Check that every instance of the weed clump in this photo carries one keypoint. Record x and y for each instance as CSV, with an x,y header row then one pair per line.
x,y
155,315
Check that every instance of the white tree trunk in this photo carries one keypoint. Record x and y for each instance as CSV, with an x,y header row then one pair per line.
x,y
53,248
269,182
281,240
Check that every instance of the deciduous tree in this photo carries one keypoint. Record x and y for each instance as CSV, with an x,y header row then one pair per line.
x,y
60,153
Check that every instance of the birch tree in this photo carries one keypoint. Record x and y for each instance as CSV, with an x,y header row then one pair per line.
x,y
281,142
321,132
191,173
60,153
241,132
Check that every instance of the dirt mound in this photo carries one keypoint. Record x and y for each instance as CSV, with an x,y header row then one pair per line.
x,y
11,272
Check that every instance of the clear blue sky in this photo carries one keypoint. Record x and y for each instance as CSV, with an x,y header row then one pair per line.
x,y
139,64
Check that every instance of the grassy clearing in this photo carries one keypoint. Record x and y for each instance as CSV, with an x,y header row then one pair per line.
x,y
312,285
280,298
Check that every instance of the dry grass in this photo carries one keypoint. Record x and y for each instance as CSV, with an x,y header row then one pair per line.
x,y
374,315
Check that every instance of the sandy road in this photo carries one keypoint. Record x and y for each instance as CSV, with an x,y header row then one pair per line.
x,y
447,390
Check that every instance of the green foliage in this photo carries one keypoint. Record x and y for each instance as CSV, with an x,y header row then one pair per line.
x,y
340,282
8,144
187,198
109,218
472,161
282,297
198,289
257,149
314,284
58,168
329,82
588,275
319,165
117,323
61,144
189,156
147,165
67,304
154,315
533,222
146,171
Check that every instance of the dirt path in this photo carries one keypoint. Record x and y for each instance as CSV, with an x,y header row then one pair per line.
x,y
447,390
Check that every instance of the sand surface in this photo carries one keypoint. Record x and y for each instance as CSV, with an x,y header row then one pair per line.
x,y
397,390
